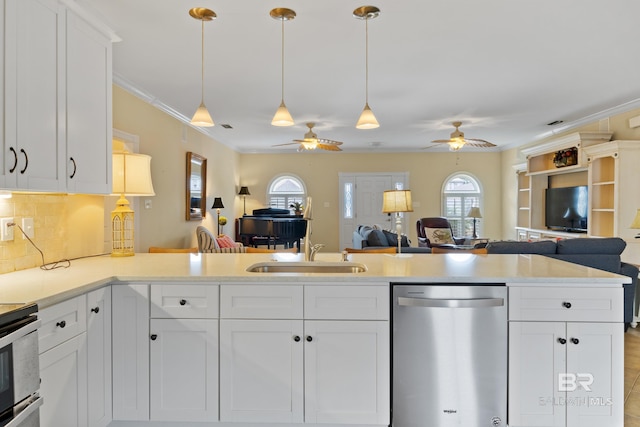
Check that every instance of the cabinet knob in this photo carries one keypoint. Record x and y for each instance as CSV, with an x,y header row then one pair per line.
x,y
296,338
61,324
575,340
183,301
562,340
95,310
309,338
153,337
566,304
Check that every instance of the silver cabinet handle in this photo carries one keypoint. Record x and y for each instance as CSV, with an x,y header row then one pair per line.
x,y
451,303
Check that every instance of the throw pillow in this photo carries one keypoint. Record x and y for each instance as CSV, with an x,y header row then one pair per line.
x,y
392,239
377,238
439,236
225,241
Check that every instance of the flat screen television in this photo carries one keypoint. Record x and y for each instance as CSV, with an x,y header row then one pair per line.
x,y
566,209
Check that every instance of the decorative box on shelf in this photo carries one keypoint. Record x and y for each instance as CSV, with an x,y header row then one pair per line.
x,y
568,157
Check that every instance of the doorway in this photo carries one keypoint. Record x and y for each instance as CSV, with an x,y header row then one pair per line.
x,y
361,201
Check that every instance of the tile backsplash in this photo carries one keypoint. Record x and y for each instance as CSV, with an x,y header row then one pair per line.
x,y
65,226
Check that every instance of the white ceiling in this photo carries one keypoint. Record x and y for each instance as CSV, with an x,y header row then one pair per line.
x,y
505,68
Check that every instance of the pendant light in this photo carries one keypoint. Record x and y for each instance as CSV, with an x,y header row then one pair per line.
x,y
202,117
367,120
282,116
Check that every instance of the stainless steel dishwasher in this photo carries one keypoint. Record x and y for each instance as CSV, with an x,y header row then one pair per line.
x,y
449,355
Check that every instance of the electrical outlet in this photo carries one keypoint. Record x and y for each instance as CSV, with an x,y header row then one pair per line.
x,y
27,227
6,232
147,204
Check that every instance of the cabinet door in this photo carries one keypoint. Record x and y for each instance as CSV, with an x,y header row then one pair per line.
x,y
184,369
536,359
347,372
261,376
34,84
63,375
99,357
595,365
88,147
130,325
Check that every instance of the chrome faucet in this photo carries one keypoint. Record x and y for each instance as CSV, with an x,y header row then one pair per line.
x,y
310,250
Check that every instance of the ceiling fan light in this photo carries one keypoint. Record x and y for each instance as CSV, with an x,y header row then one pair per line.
x,y
309,144
282,116
202,117
367,120
456,144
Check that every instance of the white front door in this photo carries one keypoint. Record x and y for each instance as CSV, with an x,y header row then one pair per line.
x,y
361,201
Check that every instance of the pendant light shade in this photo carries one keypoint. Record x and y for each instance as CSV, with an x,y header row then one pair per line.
x,y
202,117
282,116
367,119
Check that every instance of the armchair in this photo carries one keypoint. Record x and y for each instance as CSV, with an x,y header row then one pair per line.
x,y
436,231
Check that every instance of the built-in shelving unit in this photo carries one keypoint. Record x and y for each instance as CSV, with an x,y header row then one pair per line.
x,y
613,175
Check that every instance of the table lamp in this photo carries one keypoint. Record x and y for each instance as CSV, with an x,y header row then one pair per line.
x,y
217,205
636,223
397,201
131,177
474,213
244,192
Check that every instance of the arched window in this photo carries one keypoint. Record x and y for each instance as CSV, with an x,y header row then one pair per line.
x,y
460,193
285,190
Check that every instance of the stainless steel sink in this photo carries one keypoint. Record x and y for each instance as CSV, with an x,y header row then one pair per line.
x,y
307,267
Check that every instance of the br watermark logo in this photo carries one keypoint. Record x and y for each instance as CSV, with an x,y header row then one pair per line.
x,y
569,382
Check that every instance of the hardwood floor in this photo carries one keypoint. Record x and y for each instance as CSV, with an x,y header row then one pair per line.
x,y
632,378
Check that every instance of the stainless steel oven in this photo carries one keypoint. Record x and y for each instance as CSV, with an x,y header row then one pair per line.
x,y
19,367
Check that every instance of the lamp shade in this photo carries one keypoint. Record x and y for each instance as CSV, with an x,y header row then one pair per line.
x,y
636,220
132,174
396,201
367,120
474,212
217,203
244,191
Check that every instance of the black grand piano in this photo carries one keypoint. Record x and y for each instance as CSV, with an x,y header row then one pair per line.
x,y
271,227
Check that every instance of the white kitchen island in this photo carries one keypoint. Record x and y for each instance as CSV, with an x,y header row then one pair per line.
x,y
169,318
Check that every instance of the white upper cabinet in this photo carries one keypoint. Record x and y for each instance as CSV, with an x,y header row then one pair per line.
x,y
57,100
33,147
88,72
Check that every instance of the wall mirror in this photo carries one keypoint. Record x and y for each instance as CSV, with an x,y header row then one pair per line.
x,y
196,186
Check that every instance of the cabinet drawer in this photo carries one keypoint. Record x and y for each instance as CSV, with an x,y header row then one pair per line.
x,y
184,301
61,322
346,302
261,302
566,304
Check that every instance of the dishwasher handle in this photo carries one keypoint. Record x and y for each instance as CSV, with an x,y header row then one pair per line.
x,y
451,303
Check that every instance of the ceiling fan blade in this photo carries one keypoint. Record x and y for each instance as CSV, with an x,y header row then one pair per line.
x,y
288,143
479,143
442,141
329,147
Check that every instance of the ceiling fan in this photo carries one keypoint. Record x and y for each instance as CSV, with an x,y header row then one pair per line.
x,y
457,140
312,142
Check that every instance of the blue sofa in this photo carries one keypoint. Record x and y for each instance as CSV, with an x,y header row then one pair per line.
x,y
366,237
603,254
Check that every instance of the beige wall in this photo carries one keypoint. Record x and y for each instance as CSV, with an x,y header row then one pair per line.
x,y
161,137
427,173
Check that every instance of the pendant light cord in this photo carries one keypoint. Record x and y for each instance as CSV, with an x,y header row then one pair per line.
x,y
366,66
282,61
202,57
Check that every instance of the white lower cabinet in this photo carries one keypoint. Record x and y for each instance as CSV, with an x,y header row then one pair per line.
x,y
565,374
261,370
296,370
184,369
346,372
99,357
130,329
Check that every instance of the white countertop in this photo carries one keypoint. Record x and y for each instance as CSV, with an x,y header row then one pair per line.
x,y
50,287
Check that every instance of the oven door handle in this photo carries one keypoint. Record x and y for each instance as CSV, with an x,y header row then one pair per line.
x,y
15,335
32,405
